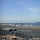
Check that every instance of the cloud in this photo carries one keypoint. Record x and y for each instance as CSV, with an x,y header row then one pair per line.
x,y
20,3
10,19
9,10
34,9
7,19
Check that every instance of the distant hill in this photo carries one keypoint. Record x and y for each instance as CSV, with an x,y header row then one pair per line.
x,y
33,24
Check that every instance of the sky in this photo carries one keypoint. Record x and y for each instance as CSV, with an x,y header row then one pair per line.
x,y
19,11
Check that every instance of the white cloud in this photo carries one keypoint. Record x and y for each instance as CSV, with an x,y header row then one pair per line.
x,y
34,9
9,10
18,19
7,19
20,3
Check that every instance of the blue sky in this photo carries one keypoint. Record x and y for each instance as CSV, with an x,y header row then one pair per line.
x,y
24,11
